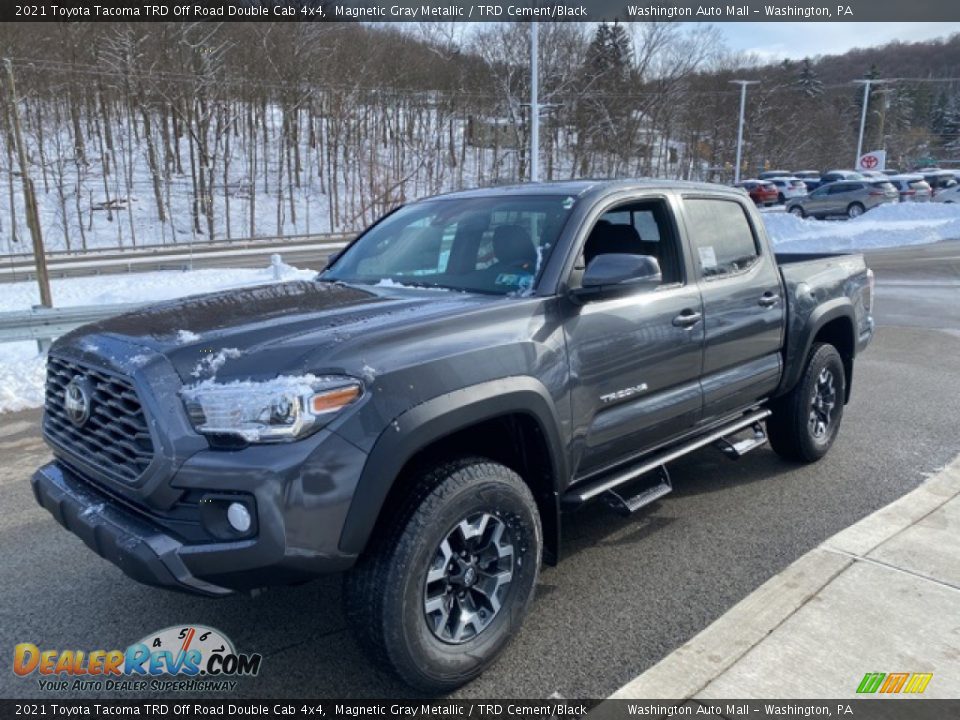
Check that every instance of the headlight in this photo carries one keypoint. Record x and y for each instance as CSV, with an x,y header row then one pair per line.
x,y
285,408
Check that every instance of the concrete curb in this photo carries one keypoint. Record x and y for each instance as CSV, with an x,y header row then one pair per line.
x,y
692,667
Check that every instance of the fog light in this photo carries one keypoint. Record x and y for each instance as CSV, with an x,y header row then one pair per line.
x,y
239,517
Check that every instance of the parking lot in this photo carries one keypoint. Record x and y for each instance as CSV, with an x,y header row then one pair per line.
x,y
627,592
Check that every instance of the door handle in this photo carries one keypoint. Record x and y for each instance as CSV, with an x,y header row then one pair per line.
x,y
768,299
687,319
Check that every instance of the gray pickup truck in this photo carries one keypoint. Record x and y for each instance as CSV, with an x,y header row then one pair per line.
x,y
424,412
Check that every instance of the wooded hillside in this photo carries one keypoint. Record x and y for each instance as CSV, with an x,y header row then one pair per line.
x,y
169,132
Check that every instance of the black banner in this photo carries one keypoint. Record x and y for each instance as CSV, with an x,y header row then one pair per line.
x,y
549,709
468,11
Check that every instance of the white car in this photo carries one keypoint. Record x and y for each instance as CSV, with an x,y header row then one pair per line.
x,y
912,187
948,195
789,188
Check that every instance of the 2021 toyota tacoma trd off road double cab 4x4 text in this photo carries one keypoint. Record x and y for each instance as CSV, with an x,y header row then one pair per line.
x,y
422,414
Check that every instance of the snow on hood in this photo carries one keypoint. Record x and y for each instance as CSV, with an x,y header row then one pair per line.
x,y
287,328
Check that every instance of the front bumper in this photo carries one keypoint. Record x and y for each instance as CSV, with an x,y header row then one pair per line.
x,y
141,550
299,518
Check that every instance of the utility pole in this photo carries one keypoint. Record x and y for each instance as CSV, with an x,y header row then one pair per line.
x,y
534,104
867,82
30,199
743,104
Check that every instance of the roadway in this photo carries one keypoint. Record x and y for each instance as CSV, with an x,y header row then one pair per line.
x,y
628,591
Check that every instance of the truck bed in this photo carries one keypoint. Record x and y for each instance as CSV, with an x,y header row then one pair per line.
x,y
816,284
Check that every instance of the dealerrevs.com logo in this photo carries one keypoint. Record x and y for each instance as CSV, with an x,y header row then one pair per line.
x,y
187,658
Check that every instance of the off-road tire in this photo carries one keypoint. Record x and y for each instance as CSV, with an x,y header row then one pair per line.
x,y
790,427
384,593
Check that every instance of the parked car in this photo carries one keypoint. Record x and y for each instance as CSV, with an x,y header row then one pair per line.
x,y
889,172
912,187
770,174
789,188
422,420
938,179
948,195
846,197
834,175
874,174
811,178
762,192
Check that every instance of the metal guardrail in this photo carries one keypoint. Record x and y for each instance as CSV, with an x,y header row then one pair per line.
x,y
165,257
26,258
44,324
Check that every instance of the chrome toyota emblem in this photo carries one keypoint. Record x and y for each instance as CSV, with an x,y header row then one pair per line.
x,y
76,400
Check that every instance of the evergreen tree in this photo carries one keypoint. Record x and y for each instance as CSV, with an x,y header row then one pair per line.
x,y
808,81
951,127
939,114
607,73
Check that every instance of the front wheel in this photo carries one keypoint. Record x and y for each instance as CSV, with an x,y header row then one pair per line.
x,y
855,210
449,581
797,211
805,421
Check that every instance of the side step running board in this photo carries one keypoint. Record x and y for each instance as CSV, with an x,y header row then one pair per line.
x,y
579,495
739,448
628,505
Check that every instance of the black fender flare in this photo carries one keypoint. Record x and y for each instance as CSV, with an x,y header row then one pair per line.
x,y
439,417
795,362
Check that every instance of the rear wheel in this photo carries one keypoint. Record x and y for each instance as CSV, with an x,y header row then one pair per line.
x,y
805,421
781,199
855,210
449,582
797,211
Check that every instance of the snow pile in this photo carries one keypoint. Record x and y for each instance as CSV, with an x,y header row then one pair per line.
x,y
22,376
23,370
884,226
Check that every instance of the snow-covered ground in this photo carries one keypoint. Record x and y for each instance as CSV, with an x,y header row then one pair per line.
x,y
22,369
885,226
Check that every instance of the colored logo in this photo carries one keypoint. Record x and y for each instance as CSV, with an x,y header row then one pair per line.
x,y
188,651
894,683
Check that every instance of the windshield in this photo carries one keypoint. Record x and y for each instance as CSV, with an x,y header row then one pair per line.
x,y
493,245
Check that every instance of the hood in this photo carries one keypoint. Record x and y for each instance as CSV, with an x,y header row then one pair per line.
x,y
260,332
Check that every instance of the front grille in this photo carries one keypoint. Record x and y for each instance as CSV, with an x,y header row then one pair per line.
x,y
115,437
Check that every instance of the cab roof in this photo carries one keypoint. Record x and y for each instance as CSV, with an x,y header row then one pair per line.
x,y
583,188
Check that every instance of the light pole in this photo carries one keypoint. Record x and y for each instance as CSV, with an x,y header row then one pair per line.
x,y
867,82
534,105
743,104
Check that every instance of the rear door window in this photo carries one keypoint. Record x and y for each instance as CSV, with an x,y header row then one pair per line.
x,y
722,236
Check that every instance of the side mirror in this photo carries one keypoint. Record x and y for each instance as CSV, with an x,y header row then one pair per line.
x,y
618,272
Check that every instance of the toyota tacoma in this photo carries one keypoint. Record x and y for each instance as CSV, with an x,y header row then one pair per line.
x,y
424,412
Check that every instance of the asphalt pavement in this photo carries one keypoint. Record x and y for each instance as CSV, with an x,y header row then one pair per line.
x,y
627,592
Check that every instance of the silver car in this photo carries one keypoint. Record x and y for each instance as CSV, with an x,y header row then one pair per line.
x,y
845,197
